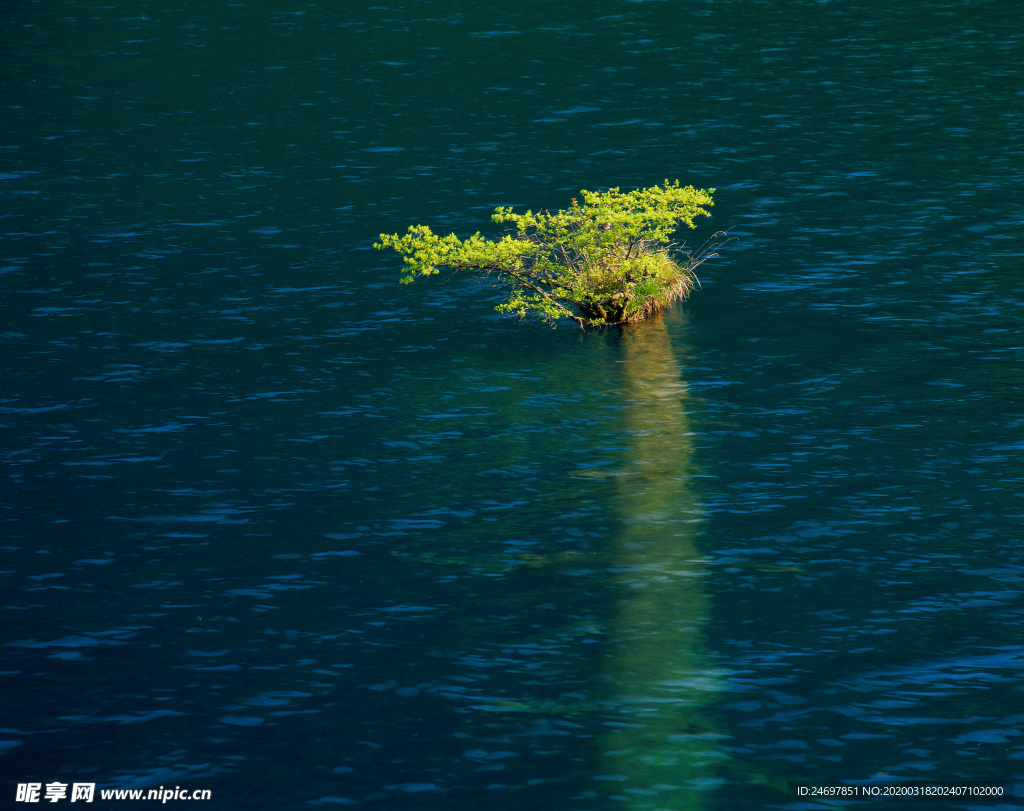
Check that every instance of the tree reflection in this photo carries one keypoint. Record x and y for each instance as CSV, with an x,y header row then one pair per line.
x,y
661,752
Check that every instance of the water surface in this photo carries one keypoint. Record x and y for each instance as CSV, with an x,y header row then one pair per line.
x,y
276,526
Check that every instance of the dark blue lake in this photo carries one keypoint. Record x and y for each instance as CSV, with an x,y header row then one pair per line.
x,y
276,526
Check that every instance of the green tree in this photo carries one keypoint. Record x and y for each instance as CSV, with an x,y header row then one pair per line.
x,y
607,260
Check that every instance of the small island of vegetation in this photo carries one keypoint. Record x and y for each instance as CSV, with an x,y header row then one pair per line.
x,y
607,260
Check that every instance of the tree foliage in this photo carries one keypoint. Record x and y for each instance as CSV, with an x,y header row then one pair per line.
x,y
606,260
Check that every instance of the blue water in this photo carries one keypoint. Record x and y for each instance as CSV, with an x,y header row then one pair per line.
x,y
278,527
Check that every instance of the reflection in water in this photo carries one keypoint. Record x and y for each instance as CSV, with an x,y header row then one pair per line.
x,y
662,751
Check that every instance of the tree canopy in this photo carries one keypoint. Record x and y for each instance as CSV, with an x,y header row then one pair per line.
x,y
606,260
